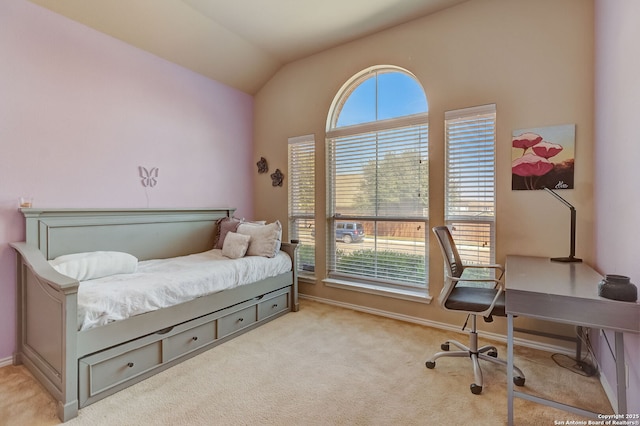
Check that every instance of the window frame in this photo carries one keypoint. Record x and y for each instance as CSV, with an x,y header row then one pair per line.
x,y
333,135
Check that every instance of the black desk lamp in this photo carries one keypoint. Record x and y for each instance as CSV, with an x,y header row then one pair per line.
x,y
572,254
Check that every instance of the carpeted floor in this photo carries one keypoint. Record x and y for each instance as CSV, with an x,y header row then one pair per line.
x,y
323,365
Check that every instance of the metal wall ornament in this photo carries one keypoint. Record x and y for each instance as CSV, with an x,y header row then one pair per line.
x,y
277,178
263,167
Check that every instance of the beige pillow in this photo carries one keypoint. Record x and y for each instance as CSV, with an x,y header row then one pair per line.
x,y
265,239
235,245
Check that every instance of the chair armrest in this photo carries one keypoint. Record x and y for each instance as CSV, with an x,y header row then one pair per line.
x,y
497,283
476,280
488,266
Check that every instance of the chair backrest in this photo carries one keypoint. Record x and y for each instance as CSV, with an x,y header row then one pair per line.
x,y
452,262
454,269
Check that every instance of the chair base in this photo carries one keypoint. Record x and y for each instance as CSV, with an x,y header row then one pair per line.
x,y
486,353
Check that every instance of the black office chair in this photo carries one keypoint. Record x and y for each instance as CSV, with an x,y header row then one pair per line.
x,y
475,297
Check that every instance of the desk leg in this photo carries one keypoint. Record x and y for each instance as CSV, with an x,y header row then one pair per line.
x,y
621,376
579,335
510,370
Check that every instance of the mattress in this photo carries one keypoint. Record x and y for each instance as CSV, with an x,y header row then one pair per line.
x,y
160,283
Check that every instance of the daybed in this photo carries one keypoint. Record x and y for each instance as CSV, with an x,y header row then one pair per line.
x,y
79,367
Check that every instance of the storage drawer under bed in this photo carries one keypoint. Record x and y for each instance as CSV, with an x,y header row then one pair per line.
x,y
189,340
236,321
107,369
110,370
273,305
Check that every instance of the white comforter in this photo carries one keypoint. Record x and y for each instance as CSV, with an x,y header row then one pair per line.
x,y
160,283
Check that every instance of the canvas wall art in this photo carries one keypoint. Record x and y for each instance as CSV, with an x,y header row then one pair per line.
x,y
543,157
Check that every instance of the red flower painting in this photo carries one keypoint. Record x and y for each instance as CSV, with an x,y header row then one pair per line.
x,y
526,141
534,152
531,165
546,149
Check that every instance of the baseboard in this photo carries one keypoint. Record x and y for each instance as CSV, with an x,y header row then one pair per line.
x,y
440,325
6,361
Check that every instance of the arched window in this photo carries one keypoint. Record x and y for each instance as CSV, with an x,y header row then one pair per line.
x,y
377,171
378,94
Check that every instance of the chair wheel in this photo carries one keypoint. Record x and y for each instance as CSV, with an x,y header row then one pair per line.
x,y
430,364
518,381
475,389
493,354
444,346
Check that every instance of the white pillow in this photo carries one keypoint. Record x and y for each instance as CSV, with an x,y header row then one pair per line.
x,y
265,239
95,264
235,245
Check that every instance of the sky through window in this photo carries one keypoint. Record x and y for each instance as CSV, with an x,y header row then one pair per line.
x,y
383,96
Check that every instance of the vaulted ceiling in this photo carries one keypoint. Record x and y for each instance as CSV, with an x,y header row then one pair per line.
x,y
241,43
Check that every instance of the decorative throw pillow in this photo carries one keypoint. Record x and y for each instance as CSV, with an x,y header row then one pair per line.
x,y
95,264
235,245
265,239
255,222
225,225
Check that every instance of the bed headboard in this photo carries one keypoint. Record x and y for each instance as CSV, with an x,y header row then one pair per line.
x,y
144,233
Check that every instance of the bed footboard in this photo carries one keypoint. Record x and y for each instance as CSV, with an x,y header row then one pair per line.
x,y
292,250
47,324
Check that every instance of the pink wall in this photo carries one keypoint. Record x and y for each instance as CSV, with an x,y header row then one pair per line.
x,y
617,192
80,111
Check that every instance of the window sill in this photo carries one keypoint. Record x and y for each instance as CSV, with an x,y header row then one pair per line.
x,y
307,278
419,296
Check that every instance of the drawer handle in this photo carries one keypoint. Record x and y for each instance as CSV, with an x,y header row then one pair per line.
x,y
194,338
164,330
130,364
275,305
240,319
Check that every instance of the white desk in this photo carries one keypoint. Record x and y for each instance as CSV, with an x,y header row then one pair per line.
x,y
567,293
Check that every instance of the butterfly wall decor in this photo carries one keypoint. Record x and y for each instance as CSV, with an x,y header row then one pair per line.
x,y
149,177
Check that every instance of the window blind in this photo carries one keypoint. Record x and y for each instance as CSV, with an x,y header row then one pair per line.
x,y
381,174
301,180
379,180
470,136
